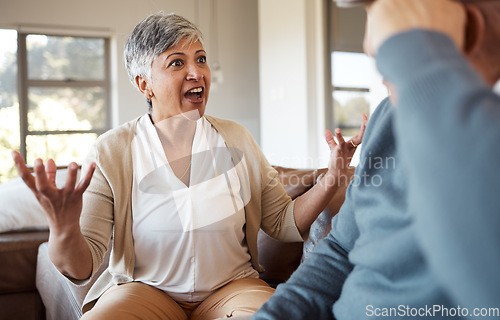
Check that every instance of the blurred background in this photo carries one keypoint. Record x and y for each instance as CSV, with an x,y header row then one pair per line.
x,y
286,70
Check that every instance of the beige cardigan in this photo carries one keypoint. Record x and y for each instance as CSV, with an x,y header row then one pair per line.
x,y
107,202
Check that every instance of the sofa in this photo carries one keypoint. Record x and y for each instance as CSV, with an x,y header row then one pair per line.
x,y
19,297
31,287
23,227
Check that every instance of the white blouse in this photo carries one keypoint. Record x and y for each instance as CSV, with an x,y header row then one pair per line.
x,y
188,241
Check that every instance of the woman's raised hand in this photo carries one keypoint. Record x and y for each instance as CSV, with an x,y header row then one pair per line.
x,y
63,206
311,203
342,152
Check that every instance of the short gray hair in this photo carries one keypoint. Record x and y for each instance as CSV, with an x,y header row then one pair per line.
x,y
151,37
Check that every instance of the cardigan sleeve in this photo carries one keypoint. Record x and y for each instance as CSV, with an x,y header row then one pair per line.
x,y
96,221
277,207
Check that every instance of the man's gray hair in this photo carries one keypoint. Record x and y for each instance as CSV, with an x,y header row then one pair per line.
x,y
151,37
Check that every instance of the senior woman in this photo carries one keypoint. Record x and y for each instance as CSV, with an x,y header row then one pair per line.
x,y
183,194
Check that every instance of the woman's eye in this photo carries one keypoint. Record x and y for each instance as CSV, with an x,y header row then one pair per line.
x,y
176,63
202,59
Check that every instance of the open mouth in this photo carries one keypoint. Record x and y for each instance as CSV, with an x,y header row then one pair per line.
x,y
195,94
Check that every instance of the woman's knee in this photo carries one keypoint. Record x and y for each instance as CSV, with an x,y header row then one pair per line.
x,y
237,298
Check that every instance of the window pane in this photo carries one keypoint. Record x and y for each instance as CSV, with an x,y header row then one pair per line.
x,y
9,103
65,58
66,108
63,148
351,70
348,108
9,140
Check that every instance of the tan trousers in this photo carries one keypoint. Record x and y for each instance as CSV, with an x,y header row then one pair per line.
x,y
137,300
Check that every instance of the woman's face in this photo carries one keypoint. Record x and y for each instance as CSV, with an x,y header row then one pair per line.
x,y
180,81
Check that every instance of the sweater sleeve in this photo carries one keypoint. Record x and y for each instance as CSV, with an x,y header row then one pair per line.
x,y
447,129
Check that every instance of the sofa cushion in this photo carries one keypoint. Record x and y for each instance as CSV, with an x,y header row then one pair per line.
x,y
20,210
279,259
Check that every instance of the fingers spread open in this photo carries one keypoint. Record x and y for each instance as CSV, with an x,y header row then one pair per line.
x,y
42,183
71,179
82,186
339,136
330,140
357,139
23,171
50,170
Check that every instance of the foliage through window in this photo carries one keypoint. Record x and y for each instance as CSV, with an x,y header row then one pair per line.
x,y
356,86
351,75
54,96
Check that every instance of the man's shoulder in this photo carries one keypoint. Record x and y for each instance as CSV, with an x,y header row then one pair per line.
x,y
384,108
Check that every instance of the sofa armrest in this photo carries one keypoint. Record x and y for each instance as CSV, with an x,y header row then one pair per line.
x,y
62,298
19,298
298,181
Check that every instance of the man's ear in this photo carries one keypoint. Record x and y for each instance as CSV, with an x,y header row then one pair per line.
x,y
143,85
475,28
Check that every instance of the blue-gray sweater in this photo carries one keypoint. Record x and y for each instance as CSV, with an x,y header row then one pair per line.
x,y
418,236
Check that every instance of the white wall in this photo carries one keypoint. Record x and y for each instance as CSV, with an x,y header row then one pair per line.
x,y
292,81
237,98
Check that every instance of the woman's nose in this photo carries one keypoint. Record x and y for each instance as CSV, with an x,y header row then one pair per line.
x,y
194,73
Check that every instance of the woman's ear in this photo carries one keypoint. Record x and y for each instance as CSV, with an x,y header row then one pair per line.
x,y
143,85
475,28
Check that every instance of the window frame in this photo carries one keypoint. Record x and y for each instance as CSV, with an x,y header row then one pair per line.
x,y
345,89
24,84
340,41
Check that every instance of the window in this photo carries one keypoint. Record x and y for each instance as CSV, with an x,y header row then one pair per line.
x,y
356,86
351,75
54,96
